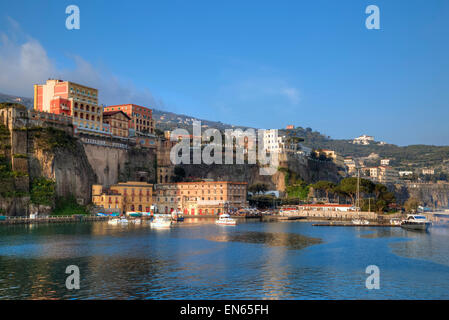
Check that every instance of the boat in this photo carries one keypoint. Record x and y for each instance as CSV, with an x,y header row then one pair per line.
x,y
360,221
225,219
177,216
395,221
117,221
416,222
161,221
136,221
112,214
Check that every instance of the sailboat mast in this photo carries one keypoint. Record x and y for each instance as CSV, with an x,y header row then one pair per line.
x,y
358,190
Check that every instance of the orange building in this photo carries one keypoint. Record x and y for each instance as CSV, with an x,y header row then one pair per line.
x,y
141,117
72,99
118,123
200,198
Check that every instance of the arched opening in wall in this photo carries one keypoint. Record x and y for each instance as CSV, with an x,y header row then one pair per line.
x,y
160,179
166,179
142,179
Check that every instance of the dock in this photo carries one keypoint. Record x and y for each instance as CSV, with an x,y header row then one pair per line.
x,y
354,225
50,219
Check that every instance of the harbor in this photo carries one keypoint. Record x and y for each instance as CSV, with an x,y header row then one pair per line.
x,y
198,259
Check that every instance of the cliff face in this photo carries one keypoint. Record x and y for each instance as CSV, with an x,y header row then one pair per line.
x,y
429,194
68,167
112,165
309,170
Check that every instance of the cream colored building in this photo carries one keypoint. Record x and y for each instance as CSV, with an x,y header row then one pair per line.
x,y
200,198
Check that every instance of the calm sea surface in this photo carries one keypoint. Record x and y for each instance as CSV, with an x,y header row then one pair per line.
x,y
199,260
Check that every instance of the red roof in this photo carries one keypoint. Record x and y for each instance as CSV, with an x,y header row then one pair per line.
x,y
111,113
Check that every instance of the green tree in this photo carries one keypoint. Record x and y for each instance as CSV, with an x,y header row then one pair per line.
x,y
325,186
411,205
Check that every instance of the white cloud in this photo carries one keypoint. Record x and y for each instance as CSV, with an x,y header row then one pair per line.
x,y
25,62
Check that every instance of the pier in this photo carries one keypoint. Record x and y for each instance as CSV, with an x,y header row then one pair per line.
x,y
354,225
50,219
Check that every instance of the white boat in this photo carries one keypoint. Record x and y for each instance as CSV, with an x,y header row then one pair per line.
x,y
225,219
416,222
360,221
395,221
118,221
161,221
113,221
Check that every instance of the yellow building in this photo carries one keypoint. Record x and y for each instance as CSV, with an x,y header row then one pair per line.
x,y
124,197
200,198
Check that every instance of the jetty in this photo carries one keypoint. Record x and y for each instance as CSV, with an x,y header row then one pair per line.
x,y
354,225
50,219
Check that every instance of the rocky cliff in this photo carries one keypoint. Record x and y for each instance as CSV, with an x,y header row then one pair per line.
x,y
307,169
429,194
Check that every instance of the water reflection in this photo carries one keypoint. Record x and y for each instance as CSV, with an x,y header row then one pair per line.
x,y
289,240
200,260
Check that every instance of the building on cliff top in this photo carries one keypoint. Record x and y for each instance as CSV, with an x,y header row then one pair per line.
x,y
141,117
71,99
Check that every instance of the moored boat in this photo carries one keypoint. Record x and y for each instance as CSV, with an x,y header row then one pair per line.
x,y
117,221
177,216
161,221
225,219
360,221
416,222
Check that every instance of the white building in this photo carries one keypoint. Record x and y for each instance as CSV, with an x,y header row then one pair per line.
x,y
363,140
428,171
385,162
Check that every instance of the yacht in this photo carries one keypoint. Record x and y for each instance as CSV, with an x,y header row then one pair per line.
x,y
161,221
416,222
225,219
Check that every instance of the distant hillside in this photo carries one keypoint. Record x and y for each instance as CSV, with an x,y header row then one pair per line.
x,y
166,120
408,157
27,102
169,121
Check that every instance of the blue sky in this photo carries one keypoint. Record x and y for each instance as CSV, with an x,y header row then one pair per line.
x,y
264,64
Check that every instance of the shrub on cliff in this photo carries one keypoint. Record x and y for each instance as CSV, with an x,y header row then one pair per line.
x,y
42,191
66,206
49,138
